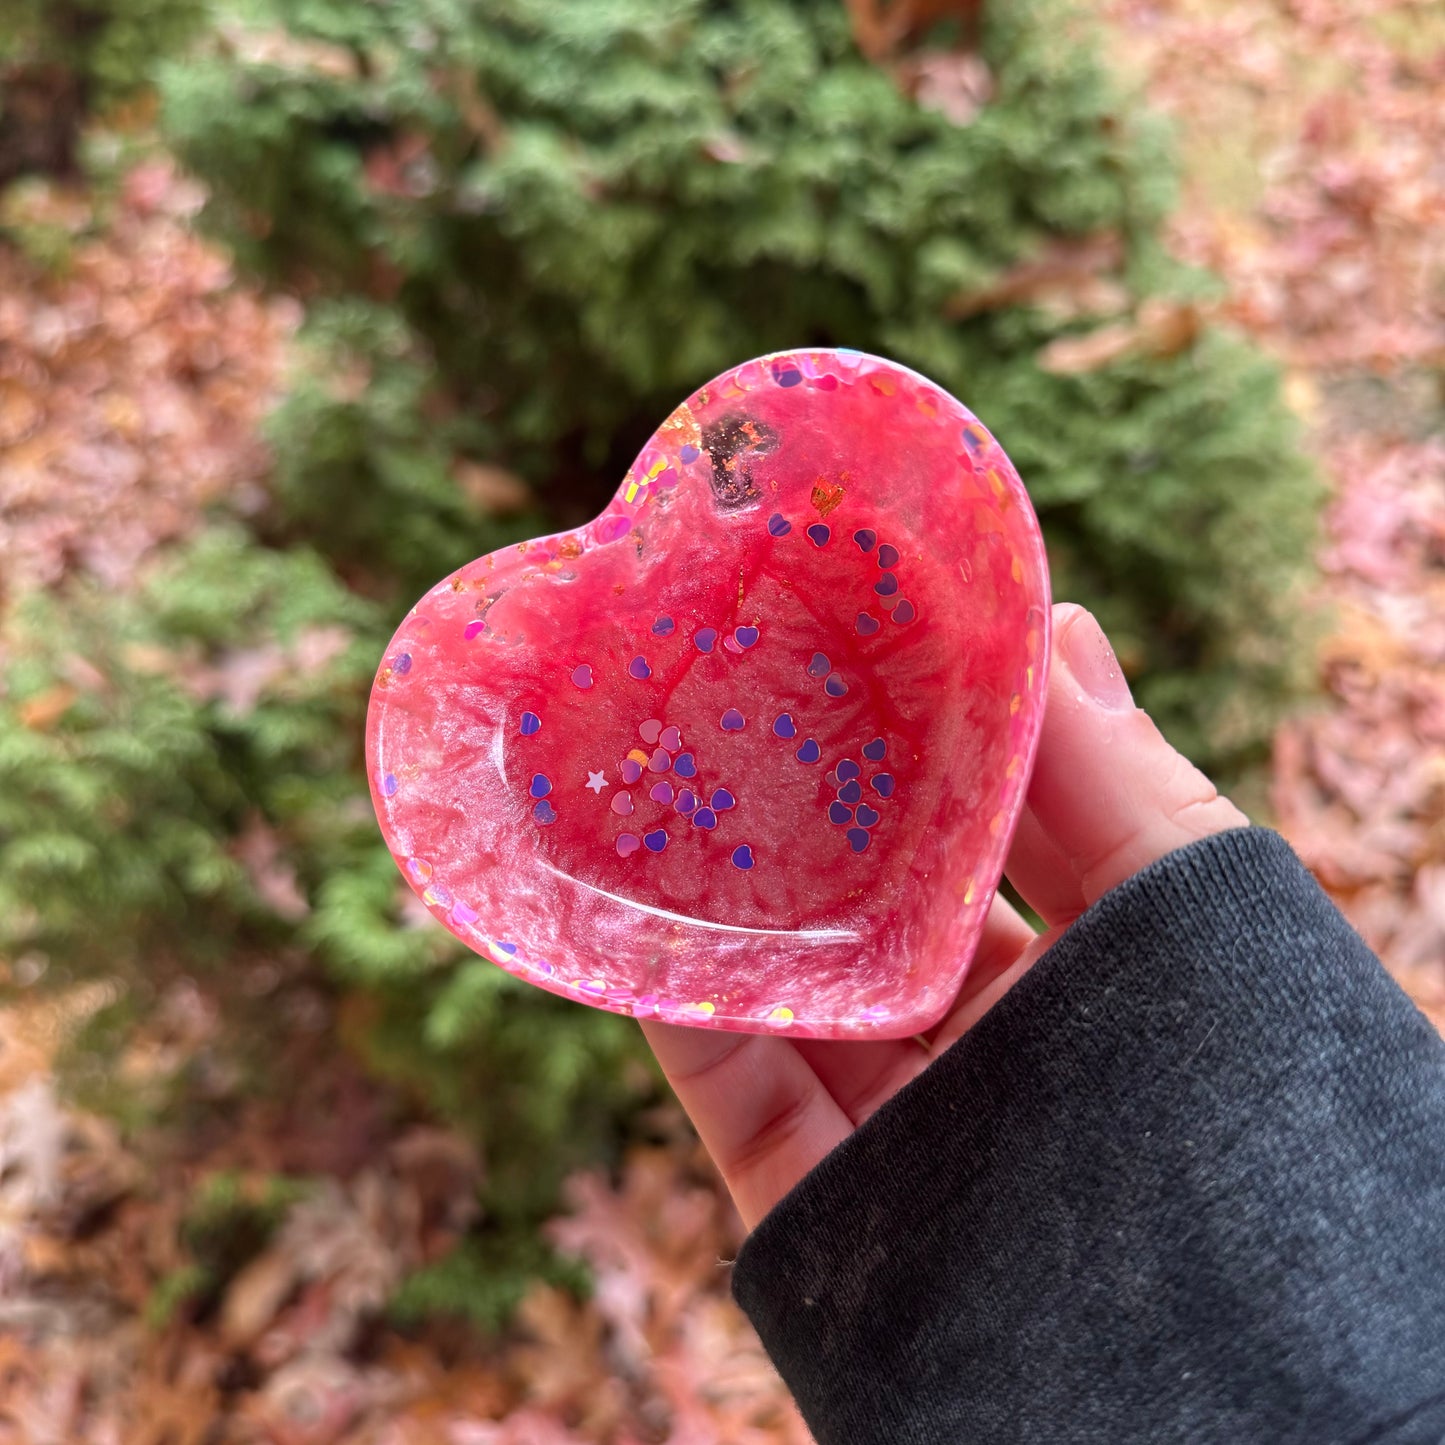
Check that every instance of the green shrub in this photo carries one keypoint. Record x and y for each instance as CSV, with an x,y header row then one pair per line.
x,y
140,736
482,1281
147,740
575,211
366,452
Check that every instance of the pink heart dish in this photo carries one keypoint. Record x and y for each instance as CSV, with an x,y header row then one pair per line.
x,y
747,750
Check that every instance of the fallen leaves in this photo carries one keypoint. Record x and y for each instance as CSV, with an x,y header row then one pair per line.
x,y
1360,788
657,1247
259,850
292,1346
1071,276
883,28
1315,189
1079,278
280,50
957,84
1160,328
132,380
1313,134
294,1350
493,489
954,81
41,712
32,1146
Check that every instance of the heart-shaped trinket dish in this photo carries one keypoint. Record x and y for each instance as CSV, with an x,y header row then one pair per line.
x,y
748,749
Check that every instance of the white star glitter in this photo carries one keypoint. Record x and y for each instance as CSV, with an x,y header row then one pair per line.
x,y
596,781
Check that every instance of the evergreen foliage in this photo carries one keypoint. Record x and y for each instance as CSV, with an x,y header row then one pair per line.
x,y
365,456
566,214
483,1281
139,735
143,739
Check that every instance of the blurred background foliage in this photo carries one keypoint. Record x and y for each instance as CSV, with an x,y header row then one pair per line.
x,y
536,225
513,233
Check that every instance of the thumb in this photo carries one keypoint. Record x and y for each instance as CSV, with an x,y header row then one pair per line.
x,y
1108,795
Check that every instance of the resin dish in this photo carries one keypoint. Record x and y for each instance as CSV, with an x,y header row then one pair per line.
x,y
747,750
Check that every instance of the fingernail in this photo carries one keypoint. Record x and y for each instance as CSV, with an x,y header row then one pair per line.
x,y
1088,656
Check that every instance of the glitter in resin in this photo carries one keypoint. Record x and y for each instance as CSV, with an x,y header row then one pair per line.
x,y
711,601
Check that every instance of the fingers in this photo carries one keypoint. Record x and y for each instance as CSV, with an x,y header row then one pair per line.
x,y
760,1110
1037,867
768,1110
976,1003
1005,936
863,1076
1108,794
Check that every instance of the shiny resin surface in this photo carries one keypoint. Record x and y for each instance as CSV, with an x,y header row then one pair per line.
x,y
747,750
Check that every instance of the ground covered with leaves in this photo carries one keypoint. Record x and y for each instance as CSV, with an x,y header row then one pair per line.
x,y
1312,134
267,1269
133,378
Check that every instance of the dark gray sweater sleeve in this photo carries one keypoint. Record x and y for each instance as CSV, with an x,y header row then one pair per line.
x,y
1184,1182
